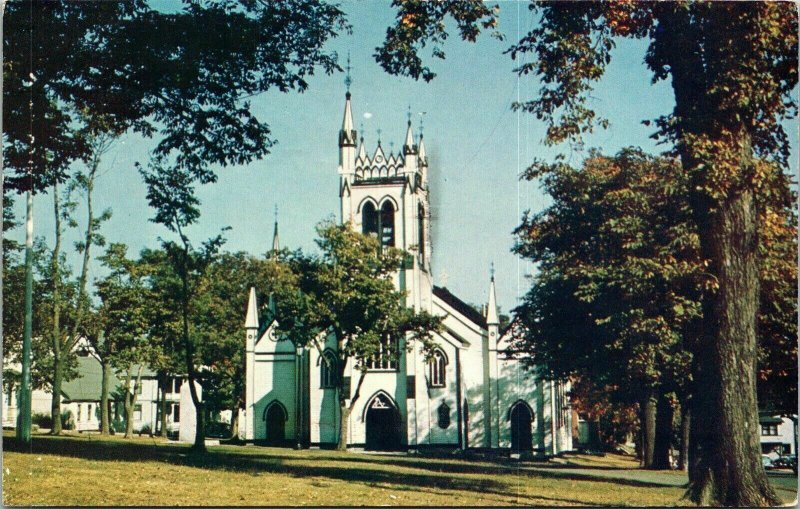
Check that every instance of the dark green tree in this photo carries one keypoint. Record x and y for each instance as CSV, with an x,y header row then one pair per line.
x,y
618,248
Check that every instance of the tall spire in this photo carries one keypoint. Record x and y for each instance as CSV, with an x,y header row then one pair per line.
x,y
362,152
409,147
276,246
421,150
347,135
251,320
491,311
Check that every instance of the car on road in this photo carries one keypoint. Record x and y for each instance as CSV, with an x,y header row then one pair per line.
x,y
788,462
766,462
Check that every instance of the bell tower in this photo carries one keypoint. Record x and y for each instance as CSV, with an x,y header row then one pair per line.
x,y
386,195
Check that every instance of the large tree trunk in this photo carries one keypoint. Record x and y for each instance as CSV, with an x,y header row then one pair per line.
x,y
725,456
663,434
728,469
104,418
683,457
648,430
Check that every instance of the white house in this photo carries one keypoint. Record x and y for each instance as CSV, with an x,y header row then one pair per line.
x,y
778,435
470,396
80,396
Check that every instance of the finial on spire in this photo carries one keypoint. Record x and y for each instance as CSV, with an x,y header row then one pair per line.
x,y
379,136
361,130
276,245
347,79
491,270
421,118
408,115
391,147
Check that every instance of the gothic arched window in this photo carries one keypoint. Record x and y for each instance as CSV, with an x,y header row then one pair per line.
x,y
369,219
437,369
328,370
444,416
387,224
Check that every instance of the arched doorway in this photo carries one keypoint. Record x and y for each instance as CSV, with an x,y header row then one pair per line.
x,y
521,417
275,416
382,421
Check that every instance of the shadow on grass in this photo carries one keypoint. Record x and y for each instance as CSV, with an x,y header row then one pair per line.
x,y
367,469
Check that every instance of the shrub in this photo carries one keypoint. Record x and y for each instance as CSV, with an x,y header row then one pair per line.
x,y
45,421
67,422
118,426
145,430
42,420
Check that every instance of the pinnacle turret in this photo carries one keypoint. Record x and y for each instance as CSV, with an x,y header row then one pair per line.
x,y
491,311
251,320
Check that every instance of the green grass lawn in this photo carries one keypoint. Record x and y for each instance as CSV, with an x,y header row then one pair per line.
x,y
88,470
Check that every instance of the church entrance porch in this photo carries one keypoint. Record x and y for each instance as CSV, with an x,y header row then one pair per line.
x,y
383,425
521,418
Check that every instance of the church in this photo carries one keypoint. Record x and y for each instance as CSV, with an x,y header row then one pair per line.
x,y
469,395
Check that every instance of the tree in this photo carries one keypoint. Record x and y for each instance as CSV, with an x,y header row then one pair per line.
x,y
733,69
65,336
618,247
119,335
171,193
348,292
152,72
222,295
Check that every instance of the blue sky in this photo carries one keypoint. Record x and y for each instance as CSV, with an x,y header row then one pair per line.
x,y
477,148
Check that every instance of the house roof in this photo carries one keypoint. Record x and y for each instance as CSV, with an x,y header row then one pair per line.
x,y
87,385
459,305
768,419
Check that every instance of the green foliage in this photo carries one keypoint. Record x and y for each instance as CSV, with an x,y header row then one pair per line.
x,y
156,73
420,23
618,248
46,421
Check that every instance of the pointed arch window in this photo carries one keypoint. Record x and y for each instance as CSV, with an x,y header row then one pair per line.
x,y
387,224
444,416
328,370
437,369
369,219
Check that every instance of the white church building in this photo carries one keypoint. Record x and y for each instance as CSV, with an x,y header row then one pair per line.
x,y
469,396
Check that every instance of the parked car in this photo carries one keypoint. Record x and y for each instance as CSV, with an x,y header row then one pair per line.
x,y
766,462
788,461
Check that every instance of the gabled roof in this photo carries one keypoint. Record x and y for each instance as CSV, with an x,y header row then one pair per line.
x,y
87,385
459,305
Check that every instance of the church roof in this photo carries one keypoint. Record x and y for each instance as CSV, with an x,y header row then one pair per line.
x,y
459,305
